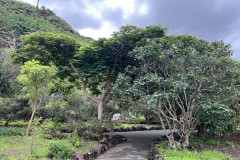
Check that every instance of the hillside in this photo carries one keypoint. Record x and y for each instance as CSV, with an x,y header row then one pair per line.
x,y
18,18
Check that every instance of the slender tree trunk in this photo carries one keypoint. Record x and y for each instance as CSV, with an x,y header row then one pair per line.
x,y
123,117
100,110
6,124
30,121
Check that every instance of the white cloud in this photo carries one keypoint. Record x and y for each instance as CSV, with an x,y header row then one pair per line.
x,y
128,6
105,30
143,9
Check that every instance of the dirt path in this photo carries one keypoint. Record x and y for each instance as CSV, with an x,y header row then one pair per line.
x,y
136,148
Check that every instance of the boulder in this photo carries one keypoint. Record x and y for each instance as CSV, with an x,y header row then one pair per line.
x,y
116,117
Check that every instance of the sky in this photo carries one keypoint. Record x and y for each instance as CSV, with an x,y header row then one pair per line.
x,y
207,19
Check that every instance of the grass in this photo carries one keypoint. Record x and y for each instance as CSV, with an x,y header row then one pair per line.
x,y
15,124
137,119
174,154
135,125
50,124
19,147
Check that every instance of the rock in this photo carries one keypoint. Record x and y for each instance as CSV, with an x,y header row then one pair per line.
x,y
116,117
105,147
78,156
153,153
133,128
86,156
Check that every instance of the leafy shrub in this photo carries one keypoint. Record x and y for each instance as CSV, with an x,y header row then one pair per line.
x,y
137,119
79,108
164,143
216,120
227,143
60,151
93,129
36,154
12,131
194,142
212,142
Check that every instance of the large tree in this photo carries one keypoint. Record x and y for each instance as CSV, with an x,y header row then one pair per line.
x,y
96,65
180,75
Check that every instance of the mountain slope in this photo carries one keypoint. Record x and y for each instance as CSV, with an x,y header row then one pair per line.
x,y
18,18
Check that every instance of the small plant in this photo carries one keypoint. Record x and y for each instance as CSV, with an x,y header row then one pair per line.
x,y
75,138
60,151
227,143
165,143
212,142
36,154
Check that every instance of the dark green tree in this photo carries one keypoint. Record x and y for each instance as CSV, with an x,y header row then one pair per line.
x,y
96,65
178,76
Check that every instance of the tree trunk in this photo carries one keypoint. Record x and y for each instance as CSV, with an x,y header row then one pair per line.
x,y
123,117
184,141
30,121
100,110
6,124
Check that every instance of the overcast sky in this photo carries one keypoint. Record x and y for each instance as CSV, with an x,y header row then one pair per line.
x,y
207,19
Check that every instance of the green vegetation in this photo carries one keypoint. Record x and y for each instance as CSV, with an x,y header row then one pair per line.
x,y
174,154
60,151
12,131
14,145
15,124
17,18
227,143
213,142
187,83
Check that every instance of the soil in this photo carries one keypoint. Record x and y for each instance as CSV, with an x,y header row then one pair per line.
x,y
232,150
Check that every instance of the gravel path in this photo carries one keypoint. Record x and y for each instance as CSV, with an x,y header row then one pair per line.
x,y
136,148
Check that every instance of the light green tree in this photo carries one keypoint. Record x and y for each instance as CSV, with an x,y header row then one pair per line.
x,y
36,80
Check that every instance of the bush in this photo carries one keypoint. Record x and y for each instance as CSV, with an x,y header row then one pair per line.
x,y
216,120
227,143
212,142
80,108
60,151
12,131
